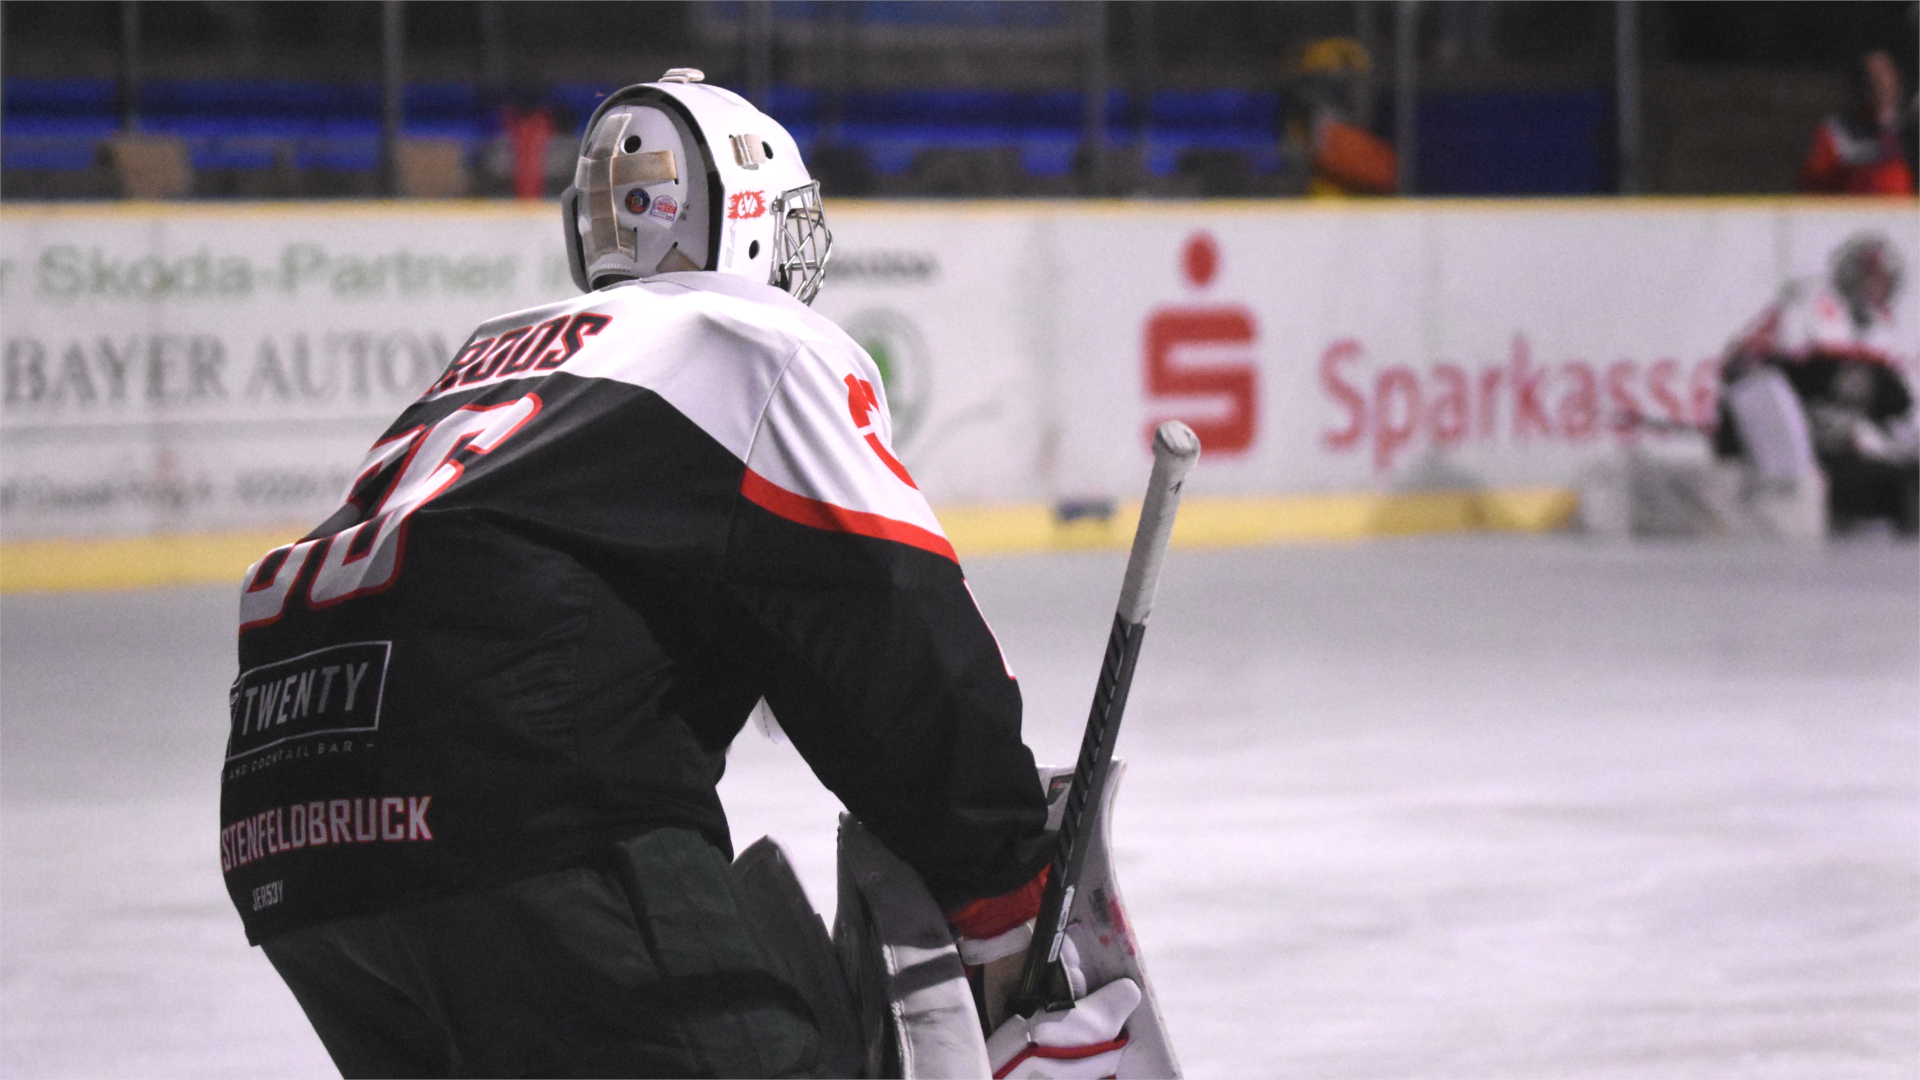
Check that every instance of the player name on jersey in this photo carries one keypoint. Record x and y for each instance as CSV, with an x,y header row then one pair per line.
x,y
526,350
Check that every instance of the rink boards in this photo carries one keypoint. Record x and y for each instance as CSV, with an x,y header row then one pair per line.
x,y
183,381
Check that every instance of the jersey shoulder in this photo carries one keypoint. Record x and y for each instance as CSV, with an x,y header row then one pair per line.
x,y
727,304
676,332
714,346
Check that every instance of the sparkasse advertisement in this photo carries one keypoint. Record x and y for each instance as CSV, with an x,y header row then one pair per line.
x,y
206,368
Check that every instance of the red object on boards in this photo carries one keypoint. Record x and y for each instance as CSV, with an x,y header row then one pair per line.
x,y
528,134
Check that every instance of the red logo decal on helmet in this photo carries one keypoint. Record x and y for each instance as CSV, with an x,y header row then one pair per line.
x,y
746,204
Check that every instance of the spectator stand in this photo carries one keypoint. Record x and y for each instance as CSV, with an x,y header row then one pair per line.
x,y
263,139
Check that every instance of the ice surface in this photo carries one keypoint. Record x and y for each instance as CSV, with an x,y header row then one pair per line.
x,y
1438,807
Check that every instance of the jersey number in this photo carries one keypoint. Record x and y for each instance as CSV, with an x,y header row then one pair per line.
x,y
413,468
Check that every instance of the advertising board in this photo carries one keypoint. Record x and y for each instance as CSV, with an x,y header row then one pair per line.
x,y
200,369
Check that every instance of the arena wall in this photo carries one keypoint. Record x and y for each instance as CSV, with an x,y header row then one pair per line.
x,y
183,380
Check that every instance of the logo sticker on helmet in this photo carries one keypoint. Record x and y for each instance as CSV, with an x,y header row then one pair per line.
x,y
746,204
665,208
637,201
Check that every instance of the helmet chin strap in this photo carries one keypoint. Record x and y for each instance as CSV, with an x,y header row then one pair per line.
x,y
673,260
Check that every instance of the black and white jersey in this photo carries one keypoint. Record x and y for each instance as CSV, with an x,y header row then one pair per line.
x,y
560,583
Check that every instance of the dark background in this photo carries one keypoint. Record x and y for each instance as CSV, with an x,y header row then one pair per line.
x,y
1514,97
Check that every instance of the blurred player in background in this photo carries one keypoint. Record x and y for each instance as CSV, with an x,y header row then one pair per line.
x,y
469,810
1323,118
1858,152
1815,375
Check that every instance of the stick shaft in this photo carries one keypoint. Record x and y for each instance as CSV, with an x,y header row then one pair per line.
x,y
1175,448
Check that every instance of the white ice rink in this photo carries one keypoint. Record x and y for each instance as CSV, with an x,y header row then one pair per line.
x,y
1432,808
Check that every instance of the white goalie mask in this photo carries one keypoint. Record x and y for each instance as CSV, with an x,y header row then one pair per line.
x,y
678,175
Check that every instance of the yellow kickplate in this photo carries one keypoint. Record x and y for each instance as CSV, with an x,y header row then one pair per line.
x,y
1541,509
136,562
1217,521
1212,521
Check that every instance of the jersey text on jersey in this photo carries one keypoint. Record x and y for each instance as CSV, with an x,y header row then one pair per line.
x,y
406,471
536,349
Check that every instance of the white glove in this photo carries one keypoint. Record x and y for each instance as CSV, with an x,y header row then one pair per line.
x,y
1082,1042
1893,441
1831,427
1904,433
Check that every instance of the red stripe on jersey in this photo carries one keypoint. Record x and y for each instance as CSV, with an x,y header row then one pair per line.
x,y
770,496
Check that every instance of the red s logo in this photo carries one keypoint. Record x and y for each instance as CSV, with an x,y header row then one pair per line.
x,y
1218,367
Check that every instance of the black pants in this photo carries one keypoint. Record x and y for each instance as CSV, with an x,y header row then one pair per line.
x,y
650,967
1862,489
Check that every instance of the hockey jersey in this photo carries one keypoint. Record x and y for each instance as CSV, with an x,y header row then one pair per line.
x,y
1841,369
1811,319
1828,355
560,583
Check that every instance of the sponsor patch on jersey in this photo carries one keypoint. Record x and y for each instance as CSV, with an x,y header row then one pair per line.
x,y
665,208
746,204
330,691
638,201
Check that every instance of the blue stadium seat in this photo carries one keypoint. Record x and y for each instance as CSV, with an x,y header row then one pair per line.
x,y
55,123
59,97
1246,111
792,105
249,124
1515,143
1028,15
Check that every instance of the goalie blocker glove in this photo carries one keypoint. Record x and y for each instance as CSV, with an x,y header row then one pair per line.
x,y
1085,1041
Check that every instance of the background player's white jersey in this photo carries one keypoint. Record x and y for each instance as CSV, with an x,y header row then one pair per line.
x,y
1811,318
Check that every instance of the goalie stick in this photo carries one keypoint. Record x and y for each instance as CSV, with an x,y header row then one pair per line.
x,y
1043,982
